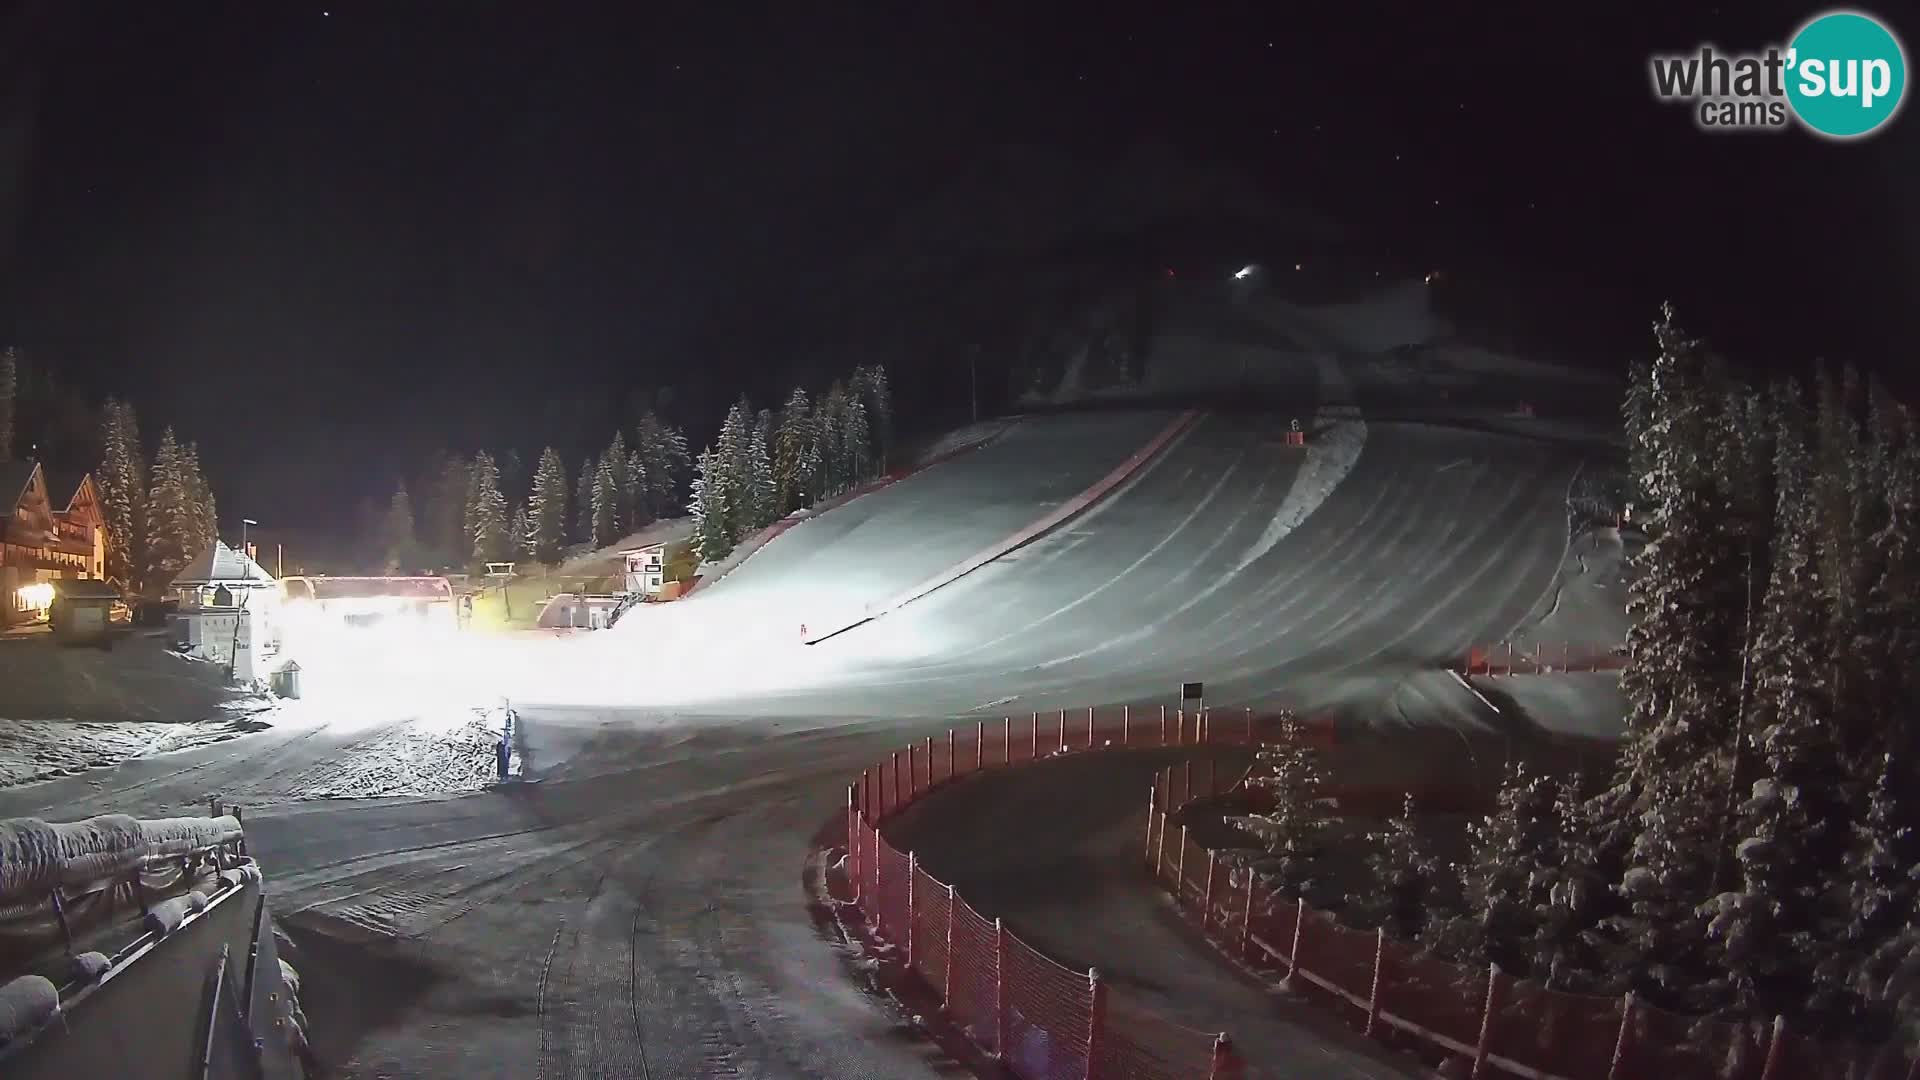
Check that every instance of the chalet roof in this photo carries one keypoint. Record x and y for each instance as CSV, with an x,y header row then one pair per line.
x,y
221,565
63,485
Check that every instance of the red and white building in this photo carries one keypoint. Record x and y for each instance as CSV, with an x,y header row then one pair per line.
x,y
53,532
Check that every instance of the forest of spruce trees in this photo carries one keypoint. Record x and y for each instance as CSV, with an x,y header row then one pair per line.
x,y
1755,851
762,465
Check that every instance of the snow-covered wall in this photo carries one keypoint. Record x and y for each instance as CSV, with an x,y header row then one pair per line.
x,y
36,855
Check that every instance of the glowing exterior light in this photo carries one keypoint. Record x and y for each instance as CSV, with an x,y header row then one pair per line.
x,y
37,595
1244,272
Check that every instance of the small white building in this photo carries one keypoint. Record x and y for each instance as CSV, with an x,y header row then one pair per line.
x,y
229,610
646,569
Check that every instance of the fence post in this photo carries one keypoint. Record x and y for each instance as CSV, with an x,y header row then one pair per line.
x,y
1180,868
1485,1045
1246,920
853,840
1624,1040
1033,740
1160,852
1186,782
1126,725
1006,740
1222,1066
1509,662
1775,1047
896,780
979,744
1249,725
929,755
1299,925
1153,804
946,992
913,908
213,806
1096,1020
1206,899
1373,997
953,760
913,774
878,864
1163,725
999,990
1089,727
1063,730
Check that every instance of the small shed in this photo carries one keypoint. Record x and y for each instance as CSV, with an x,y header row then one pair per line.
x,y
82,609
646,568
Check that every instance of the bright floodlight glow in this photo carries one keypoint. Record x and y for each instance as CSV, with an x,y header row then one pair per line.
x,y
37,595
1244,272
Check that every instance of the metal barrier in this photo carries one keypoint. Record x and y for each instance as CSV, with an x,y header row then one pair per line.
x,y
1540,658
1502,1025
1041,1020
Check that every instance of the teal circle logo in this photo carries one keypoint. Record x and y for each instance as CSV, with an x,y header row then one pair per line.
x,y
1846,74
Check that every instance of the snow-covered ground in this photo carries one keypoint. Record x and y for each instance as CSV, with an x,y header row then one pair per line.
x,y
641,900
33,750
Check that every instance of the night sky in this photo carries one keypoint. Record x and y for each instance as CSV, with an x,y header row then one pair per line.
x,y
323,238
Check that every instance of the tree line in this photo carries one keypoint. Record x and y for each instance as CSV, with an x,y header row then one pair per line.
x,y
485,508
764,466
1756,850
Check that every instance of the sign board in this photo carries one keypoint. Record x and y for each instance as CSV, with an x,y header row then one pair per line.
x,y
1190,691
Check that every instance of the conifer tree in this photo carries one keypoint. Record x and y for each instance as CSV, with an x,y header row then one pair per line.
x,y
829,432
399,542
1883,855
635,493
759,493
606,505
1638,414
856,450
663,449
547,509
620,464
205,518
870,385
523,531
1293,830
583,500
1572,883
795,454
730,454
171,521
492,522
122,482
1500,884
1403,874
711,540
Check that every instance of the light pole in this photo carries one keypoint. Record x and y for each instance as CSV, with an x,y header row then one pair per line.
x,y
244,522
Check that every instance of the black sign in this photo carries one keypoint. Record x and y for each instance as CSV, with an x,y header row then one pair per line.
x,y
1190,691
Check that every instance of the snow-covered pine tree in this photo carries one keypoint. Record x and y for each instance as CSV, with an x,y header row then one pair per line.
x,y
829,430
857,443
638,486
200,504
1792,827
398,544
624,494
664,449
522,531
1293,829
730,452
1886,641
170,519
606,505
793,453
1572,881
1403,873
1839,464
870,384
711,541
762,507
1500,884
122,482
583,501
9,392
492,521
1883,873
513,482
547,508
1681,682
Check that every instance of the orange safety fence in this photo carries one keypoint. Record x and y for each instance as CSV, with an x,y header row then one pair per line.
x,y
1040,1019
1513,1027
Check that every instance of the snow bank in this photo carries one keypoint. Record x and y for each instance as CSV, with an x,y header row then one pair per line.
x,y
25,1004
34,750
36,856
1339,436
89,966
166,916
178,836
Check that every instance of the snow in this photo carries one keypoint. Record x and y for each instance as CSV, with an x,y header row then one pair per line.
x,y
1333,446
89,966
36,856
33,750
25,1004
166,916
178,836
965,437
